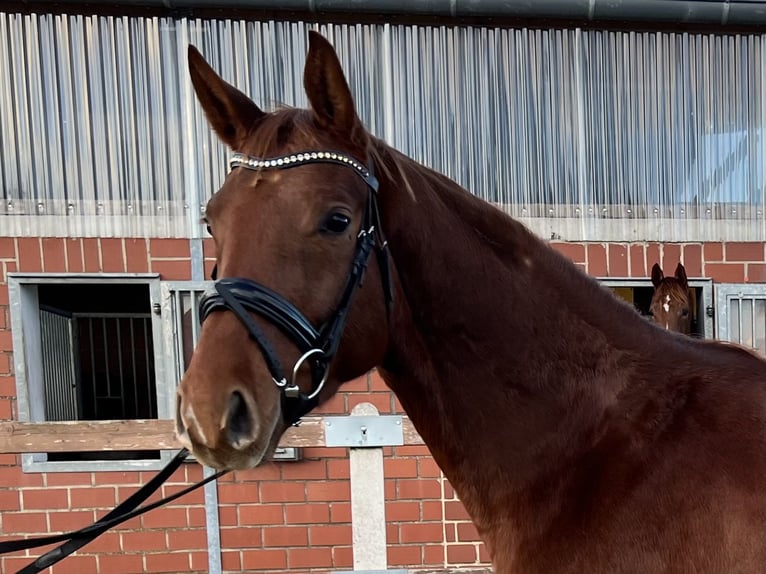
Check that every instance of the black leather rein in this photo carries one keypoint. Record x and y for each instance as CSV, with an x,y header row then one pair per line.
x,y
318,346
127,509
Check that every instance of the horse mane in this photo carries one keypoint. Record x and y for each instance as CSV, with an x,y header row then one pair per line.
x,y
672,288
276,129
513,243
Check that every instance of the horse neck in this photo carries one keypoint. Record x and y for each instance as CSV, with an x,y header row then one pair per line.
x,y
502,352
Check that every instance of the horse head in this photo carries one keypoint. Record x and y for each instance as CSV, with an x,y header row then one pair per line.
x,y
296,230
671,302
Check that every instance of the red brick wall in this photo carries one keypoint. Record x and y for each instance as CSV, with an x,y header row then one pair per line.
x,y
290,515
742,262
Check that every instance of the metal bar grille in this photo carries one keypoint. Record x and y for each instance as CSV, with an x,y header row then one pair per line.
x,y
181,324
600,134
187,323
742,314
759,325
118,380
748,318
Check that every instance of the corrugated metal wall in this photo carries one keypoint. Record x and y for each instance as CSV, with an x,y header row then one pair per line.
x,y
585,134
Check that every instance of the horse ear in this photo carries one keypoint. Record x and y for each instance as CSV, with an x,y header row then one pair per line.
x,y
326,87
681,276
230,112
657,275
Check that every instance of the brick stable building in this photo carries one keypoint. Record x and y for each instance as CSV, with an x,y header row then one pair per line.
x,y
102,255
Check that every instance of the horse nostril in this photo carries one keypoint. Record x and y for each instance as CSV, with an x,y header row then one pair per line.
x,y
180,426
239,421
182,431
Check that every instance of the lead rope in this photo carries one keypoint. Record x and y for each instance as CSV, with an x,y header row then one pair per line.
x,y
126,510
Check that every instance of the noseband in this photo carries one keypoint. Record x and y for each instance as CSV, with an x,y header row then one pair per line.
x,y
317,346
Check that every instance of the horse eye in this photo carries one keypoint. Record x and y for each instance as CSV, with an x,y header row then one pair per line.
x,y
684,312
336,223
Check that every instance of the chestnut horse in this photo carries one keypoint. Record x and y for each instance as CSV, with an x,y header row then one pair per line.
x,y
580,437
671,303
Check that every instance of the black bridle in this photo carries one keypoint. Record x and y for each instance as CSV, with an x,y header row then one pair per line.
x,y
242,296
317,346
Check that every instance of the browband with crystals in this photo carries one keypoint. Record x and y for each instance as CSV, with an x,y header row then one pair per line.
x,y
294,159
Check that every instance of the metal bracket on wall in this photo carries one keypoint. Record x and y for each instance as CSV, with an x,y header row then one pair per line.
x,y
290,453
364,431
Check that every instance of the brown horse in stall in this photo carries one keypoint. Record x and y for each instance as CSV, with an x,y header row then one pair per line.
x,y
580,437
671,302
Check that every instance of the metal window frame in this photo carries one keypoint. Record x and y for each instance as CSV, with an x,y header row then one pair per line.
x,y
170,335
725,292
708,323
25,333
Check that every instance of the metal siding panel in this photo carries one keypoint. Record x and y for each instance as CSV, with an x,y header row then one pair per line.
x,y
587,134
